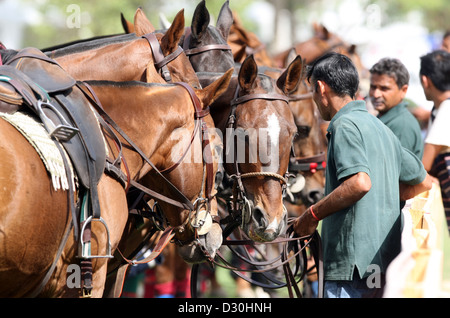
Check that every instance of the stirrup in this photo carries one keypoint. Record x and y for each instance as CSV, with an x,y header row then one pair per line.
x,y
62,132
83,252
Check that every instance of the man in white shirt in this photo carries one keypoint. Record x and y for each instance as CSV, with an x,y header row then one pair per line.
x,y
435,79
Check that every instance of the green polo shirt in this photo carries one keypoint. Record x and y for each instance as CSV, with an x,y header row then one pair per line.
x,y
405,126
368,232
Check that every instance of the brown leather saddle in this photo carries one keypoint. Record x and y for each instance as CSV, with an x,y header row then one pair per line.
x,y
32,82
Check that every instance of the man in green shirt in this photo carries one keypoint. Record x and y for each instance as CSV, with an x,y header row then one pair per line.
x,y
389,81
368,172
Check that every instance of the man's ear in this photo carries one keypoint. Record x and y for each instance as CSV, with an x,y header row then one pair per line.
x,y
321,87
425,81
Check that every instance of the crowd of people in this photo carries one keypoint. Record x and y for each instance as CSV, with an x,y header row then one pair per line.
x,y
368,157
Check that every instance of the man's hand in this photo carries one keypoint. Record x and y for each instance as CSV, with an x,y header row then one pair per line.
x,y
305,224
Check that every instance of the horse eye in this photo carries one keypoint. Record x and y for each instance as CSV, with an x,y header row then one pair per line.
x,y
303,131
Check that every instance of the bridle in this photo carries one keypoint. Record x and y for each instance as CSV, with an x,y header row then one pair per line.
x,y
239,193
309,163
205,48
161,61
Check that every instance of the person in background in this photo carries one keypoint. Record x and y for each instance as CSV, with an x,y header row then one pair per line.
x,y
389,81
445,44
368,172
435,80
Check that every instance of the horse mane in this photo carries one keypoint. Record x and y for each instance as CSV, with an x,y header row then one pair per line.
x,y
91,45
125,84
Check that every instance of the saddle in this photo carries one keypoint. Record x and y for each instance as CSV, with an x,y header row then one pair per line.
x,y
32,82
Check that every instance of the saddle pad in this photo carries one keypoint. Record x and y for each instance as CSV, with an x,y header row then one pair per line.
x,y
38,137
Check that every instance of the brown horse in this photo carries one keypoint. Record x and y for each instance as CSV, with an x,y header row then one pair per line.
x,y
130,57
322,42
31,205
258,128
244,43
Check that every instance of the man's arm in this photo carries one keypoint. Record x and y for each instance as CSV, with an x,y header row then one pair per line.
x,y
410,191
348,193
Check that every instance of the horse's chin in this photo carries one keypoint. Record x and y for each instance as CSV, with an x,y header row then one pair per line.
x,y
193,254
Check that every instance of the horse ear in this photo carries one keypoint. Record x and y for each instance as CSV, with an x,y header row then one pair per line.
x,y
142,25
128,27
291,56
225,20
200,20
352,49
248,72
213,91
290,78
171,38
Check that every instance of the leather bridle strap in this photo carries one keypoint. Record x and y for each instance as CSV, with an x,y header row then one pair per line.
x,y
201,49
161,61
185,202
312,163
200,113
246,98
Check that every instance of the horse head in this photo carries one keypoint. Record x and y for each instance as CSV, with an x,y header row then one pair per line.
x,y
205,44
143,56
257,147
309,148
167,53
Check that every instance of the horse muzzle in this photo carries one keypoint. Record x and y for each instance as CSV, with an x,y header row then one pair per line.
x,y
257,225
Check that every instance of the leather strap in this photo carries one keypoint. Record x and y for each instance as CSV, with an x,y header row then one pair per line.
x,y
165,238
188,51
185,202
161,61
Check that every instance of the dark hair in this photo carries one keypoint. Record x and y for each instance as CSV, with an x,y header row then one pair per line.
x,y
436,66
337,71
392,68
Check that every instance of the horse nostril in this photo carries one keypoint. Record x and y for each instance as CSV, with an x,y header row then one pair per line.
x,y
259,216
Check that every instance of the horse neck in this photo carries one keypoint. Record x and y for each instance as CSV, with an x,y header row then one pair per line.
x,y
123,61
149,119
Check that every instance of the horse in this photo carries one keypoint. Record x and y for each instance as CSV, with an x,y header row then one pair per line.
x,y
138,56
322,42
205,45
27,260
254,105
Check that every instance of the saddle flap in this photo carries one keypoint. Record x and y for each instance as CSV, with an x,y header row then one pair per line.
x,y
42,70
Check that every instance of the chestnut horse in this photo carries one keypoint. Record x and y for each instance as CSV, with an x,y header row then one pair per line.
x,y
131,57
322,42
32,210
258,127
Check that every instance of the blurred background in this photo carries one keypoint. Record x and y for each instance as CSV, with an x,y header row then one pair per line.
x,y
404,29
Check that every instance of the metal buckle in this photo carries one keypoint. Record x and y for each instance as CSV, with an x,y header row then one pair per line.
x,y
62,132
